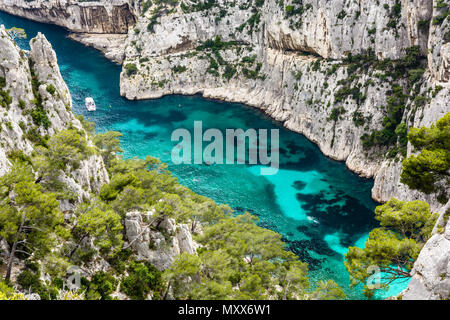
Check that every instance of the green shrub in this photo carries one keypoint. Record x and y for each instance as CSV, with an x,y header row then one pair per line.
x,y
22,104
429,171
51,89
415,75
131,69
30,280
101,286
142,278
179,69
336,113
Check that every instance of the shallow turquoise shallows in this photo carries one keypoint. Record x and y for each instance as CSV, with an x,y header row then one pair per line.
x,y
318,205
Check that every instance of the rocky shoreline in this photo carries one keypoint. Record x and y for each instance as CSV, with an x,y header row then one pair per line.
x,y
278,48
112,16
291,73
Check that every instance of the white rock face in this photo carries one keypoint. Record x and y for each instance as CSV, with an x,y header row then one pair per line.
x,y
387,179
16,121
45,66
438,48
157,246
431,274
92,173
289,86
101,24
14,69
111,45
105,16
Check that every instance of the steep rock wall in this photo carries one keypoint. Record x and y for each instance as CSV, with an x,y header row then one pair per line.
x,y
16,119
295,84
285,81
296,90
106,16
160,248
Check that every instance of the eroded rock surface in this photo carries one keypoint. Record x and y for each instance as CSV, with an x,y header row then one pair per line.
x,y
286,58
158,243
431,273
105,16
18,68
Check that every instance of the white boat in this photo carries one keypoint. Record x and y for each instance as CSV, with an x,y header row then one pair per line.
x,y
90,104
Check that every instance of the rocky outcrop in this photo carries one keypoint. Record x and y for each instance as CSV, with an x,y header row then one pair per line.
x,y
105,16
155,241
285,57
431,274
332,31
111,45
294,84
17,84
91,174
18,69
438,45
102,24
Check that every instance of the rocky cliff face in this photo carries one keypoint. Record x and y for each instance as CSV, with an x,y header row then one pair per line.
x,y
111,45
438,44
157,247
106,16
288,62
20,69
332,31
23,75
102,24
290,59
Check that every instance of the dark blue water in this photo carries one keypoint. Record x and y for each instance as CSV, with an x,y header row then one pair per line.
x,y
317,204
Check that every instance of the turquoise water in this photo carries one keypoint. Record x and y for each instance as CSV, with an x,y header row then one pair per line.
x,y
317,204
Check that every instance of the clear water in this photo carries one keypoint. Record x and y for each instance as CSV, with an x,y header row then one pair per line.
x,y
317,204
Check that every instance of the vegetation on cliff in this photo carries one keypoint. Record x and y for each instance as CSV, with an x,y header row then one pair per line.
x,y
429,171
391,249
405,227
237,259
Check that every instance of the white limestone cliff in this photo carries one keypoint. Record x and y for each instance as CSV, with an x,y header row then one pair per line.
x,y
289,85
16,120
102,24
105,16
157,244
91,175
431,274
